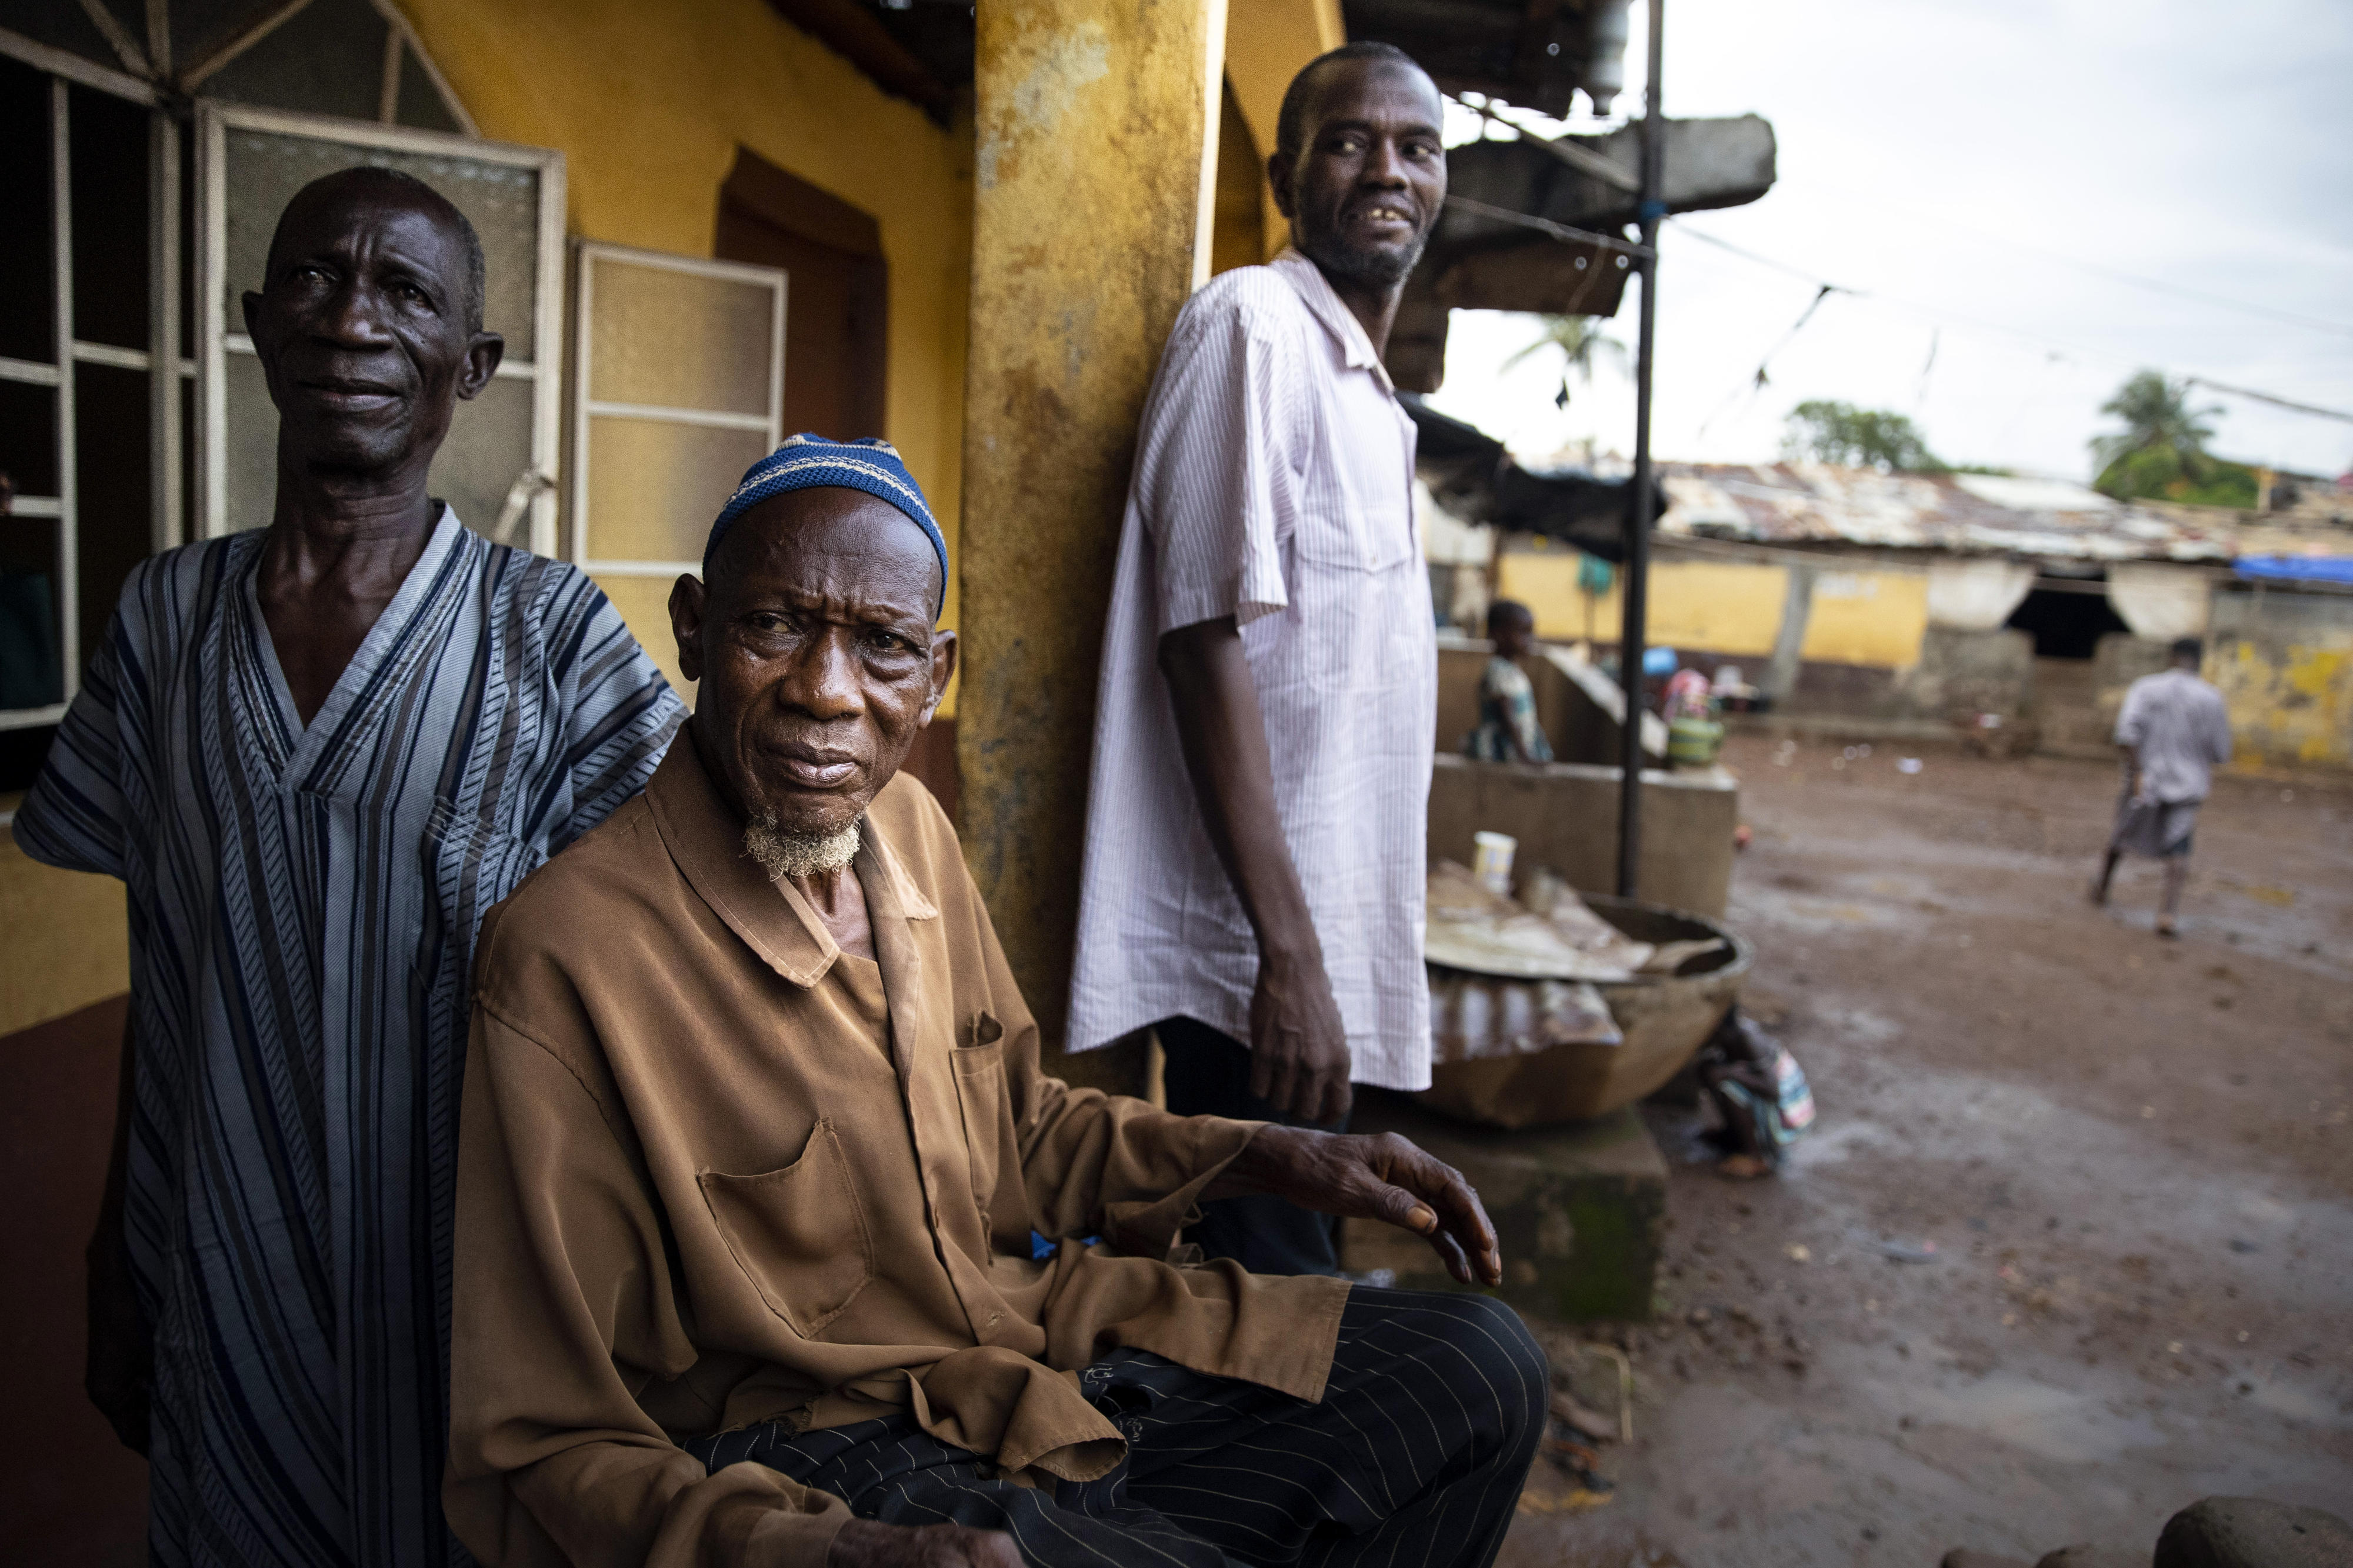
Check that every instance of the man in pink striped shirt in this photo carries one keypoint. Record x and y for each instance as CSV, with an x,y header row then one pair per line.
x,y
1256,827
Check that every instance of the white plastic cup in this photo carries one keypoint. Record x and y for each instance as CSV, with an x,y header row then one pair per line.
x,y
1490,861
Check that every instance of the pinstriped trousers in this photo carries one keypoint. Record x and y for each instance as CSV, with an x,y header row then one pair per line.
x,y
1414,1457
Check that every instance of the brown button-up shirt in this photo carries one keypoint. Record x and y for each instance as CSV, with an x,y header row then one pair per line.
x,y
714,1172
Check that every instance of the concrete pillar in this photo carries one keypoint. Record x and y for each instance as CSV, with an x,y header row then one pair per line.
x,y
1096,123
1788,645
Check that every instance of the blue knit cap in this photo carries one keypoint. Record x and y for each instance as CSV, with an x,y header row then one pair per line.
x,y
807,461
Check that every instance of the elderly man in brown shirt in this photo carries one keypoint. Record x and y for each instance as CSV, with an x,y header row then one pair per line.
x,y
773,1244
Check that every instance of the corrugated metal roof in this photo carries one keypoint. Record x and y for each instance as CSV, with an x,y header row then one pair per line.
x,y
1977,514
1971,514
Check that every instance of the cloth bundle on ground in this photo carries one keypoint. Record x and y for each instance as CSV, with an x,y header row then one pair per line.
x,y
1759,1094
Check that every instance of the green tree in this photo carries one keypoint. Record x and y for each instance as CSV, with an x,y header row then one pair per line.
x,y
1829,431
2160,453
1580,342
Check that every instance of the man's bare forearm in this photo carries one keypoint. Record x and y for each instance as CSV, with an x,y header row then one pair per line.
x,y
1223,735
1298,1042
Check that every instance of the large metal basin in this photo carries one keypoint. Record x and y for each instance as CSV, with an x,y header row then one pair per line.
x,y
1665,1019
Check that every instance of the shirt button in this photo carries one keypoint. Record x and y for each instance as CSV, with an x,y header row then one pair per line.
x,y
1134,1430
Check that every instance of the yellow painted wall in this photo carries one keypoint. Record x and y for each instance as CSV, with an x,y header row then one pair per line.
x,y
1722,607
1873,619
2291,704
67,943
1266,43
649,102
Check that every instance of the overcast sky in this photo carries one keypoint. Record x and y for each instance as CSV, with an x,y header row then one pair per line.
x,y
1953,160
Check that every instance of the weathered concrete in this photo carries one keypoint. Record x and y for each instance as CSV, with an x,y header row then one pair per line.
x,y
2077,700
1090,223
1964,672
1580,1209
2075,704
1565,816
2284,662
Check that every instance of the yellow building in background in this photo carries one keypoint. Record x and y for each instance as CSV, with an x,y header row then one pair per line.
x,y
1871,616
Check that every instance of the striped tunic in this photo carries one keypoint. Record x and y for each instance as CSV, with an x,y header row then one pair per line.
x,y
304,901
1273,483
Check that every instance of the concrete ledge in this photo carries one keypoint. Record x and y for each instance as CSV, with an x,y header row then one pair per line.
x,y
1565,816
1580,1209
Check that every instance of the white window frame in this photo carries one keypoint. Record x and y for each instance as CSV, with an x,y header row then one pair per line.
x,y
58,371
216,342
587,253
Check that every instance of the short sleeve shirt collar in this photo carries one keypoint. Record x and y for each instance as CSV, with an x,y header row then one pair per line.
x,y
1332,314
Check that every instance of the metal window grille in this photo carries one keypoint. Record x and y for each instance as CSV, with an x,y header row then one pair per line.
x,y
493,476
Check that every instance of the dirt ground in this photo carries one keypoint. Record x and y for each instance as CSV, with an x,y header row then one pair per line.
x,y
2131,1158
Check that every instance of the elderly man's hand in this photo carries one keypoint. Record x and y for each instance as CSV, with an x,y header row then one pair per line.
x,y
869,1544
1384,1177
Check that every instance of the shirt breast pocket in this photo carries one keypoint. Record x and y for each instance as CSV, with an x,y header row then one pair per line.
x,y
1352,537
798,1233
984,1098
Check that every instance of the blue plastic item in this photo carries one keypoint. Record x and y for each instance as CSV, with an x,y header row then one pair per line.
x,y
2297,568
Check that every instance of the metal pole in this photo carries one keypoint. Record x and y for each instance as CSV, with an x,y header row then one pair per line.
x,y
1634,601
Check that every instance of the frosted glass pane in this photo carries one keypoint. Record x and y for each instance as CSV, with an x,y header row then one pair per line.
x,y
654,486
251,459
674,339
489,446
488,449
501,200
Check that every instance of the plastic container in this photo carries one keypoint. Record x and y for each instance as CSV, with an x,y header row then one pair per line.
x,y
1490,861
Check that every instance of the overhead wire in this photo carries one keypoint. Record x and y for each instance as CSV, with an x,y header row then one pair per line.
x,y
1964,322
1920,393
1823,288
1756,381
2010,242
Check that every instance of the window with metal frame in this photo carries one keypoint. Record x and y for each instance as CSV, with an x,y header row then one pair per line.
x,y
89,368
97,438
497,469
679,365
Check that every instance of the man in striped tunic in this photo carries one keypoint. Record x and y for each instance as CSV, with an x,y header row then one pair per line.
x,y
315,753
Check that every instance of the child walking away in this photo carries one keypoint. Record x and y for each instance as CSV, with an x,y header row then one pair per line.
x,y
1760,1095
1508,730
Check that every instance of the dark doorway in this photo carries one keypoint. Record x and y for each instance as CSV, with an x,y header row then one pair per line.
x,y
837,293
2066,623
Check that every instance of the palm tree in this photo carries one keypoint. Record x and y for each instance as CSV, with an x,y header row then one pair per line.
x,y
2158,417
1580,342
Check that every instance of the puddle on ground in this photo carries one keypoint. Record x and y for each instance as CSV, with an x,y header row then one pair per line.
x,y
2298,1403
1800,912
2049,1423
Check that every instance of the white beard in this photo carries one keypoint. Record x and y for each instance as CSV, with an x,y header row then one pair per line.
x,y
784,854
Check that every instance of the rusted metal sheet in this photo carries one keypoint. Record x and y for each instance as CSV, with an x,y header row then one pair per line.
x,y
1813,504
